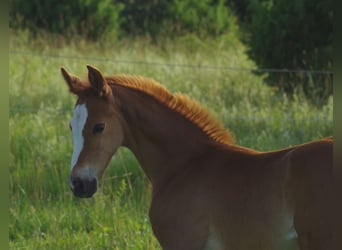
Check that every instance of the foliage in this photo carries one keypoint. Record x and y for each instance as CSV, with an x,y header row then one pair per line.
x,y
240,9
90,18
293,35
144,17
202,17
279,34
130,18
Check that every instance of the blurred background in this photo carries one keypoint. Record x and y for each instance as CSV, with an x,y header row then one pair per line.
x,y
263,67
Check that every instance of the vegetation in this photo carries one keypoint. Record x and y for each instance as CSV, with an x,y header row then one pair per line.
x,y
93,19
293,35
43,212
189,46
89,18
302,29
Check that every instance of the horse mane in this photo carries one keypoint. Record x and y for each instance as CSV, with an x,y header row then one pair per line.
x,y
178,102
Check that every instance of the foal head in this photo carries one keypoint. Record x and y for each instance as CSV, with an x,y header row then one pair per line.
x,y
96,130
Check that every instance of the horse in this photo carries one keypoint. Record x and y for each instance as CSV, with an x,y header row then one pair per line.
x,y
207,192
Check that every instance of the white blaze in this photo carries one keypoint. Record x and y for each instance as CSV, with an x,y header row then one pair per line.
x,y
77,123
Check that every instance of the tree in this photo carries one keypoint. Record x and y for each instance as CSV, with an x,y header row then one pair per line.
x,y
293,35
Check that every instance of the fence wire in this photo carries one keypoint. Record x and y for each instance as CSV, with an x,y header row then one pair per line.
x,y
174,65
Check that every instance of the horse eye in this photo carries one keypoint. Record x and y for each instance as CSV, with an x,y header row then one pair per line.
x,y
98,128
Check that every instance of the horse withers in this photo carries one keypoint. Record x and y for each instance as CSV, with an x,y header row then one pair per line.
x,y
207,192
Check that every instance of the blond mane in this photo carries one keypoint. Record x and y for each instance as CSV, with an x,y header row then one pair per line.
x,y
181,103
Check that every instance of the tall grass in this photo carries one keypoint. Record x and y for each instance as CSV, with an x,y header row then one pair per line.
x,y
43,212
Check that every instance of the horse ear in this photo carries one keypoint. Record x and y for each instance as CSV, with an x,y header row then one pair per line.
x,y
74,83
97,81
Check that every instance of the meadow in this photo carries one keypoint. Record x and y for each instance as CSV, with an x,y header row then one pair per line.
x,y
43,212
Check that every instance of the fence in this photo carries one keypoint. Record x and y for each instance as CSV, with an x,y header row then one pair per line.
x,y
158,64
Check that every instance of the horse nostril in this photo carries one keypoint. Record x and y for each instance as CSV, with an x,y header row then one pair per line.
x,y
83,188
76,183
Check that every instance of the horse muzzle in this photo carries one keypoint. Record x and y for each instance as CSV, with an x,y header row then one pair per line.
x,y
83,187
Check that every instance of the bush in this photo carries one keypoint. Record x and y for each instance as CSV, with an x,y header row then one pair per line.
x,y
90,18
293,35
179,17
202,17
156,19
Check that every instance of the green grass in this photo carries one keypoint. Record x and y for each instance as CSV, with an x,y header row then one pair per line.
x,y
43,212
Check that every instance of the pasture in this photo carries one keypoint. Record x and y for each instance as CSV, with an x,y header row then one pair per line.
x,y
43,212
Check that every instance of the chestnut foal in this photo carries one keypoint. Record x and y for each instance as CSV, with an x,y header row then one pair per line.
x,y
207,192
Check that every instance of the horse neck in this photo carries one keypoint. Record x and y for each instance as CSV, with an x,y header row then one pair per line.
x,y
162,140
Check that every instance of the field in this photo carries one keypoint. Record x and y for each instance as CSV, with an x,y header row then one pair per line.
x,y
43,212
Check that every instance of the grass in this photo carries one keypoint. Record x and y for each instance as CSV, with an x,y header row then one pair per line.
x,y
43,212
